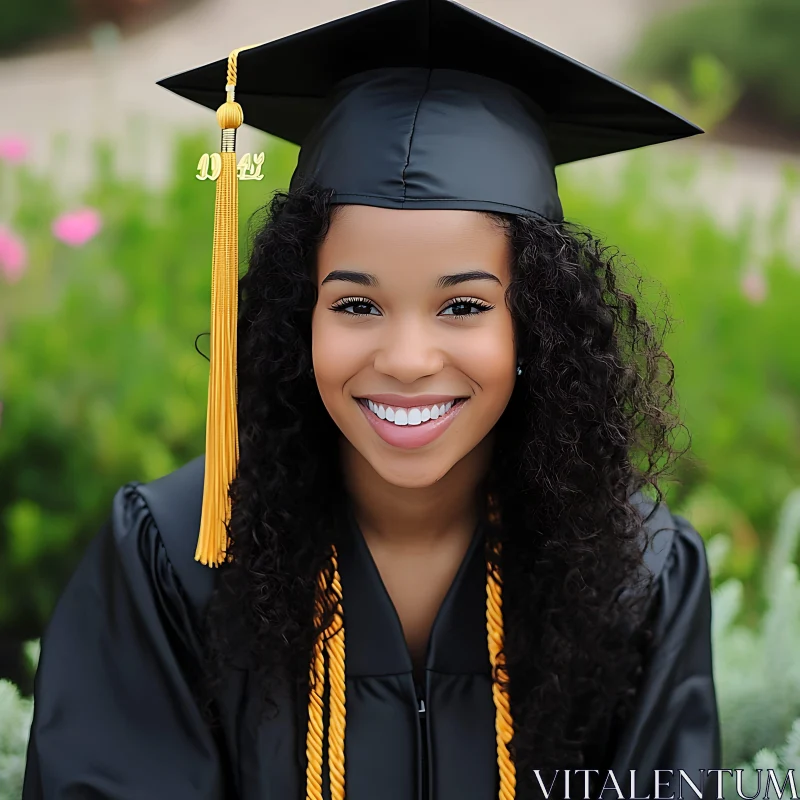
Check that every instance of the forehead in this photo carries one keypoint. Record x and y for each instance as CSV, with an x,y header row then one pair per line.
x,y
382,238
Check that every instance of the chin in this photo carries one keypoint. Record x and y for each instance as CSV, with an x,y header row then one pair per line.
x,y
411,475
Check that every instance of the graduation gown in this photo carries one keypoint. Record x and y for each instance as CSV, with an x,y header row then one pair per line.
x,y
115,717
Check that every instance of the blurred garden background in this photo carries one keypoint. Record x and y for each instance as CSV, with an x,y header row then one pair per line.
x,y
105,242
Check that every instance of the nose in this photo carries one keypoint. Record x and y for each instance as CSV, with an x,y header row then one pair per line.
x,y
408,350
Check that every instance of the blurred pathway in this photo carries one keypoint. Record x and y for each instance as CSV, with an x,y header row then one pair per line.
x,y
107,86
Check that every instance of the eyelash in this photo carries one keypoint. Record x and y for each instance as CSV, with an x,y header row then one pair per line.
x,y
340,305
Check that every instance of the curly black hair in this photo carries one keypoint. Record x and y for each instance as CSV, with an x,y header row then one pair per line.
x,y
590,422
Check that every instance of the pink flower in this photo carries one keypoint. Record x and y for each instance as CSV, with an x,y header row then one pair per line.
x,y
754,287
13,255
13,149
75,228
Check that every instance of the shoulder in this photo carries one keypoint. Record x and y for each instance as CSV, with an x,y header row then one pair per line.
x,y
674,553
665,535
162,519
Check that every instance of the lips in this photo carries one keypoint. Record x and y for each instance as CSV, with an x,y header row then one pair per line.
x,y
412,434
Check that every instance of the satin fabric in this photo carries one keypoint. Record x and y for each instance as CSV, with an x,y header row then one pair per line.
x,y
115,717
418,138
428,104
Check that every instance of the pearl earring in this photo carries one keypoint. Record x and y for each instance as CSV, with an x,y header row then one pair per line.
x,y
519,369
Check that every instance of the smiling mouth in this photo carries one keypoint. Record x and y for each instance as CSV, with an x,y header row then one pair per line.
x,y
402,416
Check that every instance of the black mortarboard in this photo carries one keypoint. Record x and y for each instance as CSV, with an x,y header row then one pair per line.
x,y
427,104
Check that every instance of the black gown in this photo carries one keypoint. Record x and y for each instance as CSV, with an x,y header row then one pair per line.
x,y
116,719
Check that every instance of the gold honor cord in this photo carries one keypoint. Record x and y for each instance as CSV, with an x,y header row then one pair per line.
x,y
504,724
222,429
331,642
315,732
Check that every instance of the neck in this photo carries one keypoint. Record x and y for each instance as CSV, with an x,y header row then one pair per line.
x,y
416,517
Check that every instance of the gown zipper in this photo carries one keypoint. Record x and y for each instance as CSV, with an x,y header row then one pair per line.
x,y
423,730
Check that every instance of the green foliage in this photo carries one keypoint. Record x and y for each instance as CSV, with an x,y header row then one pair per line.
x,y
757,668
709,96
21,23
755,40
99,377
737,366
781,760
16,714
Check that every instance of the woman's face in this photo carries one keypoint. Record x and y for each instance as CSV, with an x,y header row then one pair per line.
x,y
413,344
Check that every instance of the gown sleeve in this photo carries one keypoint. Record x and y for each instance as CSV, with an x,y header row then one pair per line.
x,y
675,725
114,715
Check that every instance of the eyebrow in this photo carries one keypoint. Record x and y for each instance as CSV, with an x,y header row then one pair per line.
x,y
444,281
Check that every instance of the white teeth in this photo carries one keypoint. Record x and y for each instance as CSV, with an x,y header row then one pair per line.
x,y
409,416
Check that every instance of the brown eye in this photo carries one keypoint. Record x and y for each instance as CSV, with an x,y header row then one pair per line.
x,y
361,307
464,307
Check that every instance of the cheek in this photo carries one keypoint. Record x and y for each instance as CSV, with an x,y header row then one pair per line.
x,y
337,352
490,362
490,353
487,353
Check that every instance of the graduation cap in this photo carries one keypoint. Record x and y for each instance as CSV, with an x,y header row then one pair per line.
x,y
411,104
427,104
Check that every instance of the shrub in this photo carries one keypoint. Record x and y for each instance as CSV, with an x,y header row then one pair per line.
x,y
757,668
22,23
732,293
16,713
782,759
99,378
755,40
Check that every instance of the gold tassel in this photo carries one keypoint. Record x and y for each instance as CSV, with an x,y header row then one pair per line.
x,y
222,430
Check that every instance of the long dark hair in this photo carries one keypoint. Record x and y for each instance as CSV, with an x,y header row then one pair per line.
x,y
590,422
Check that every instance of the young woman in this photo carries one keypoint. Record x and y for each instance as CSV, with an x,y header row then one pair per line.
x,y
441,577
